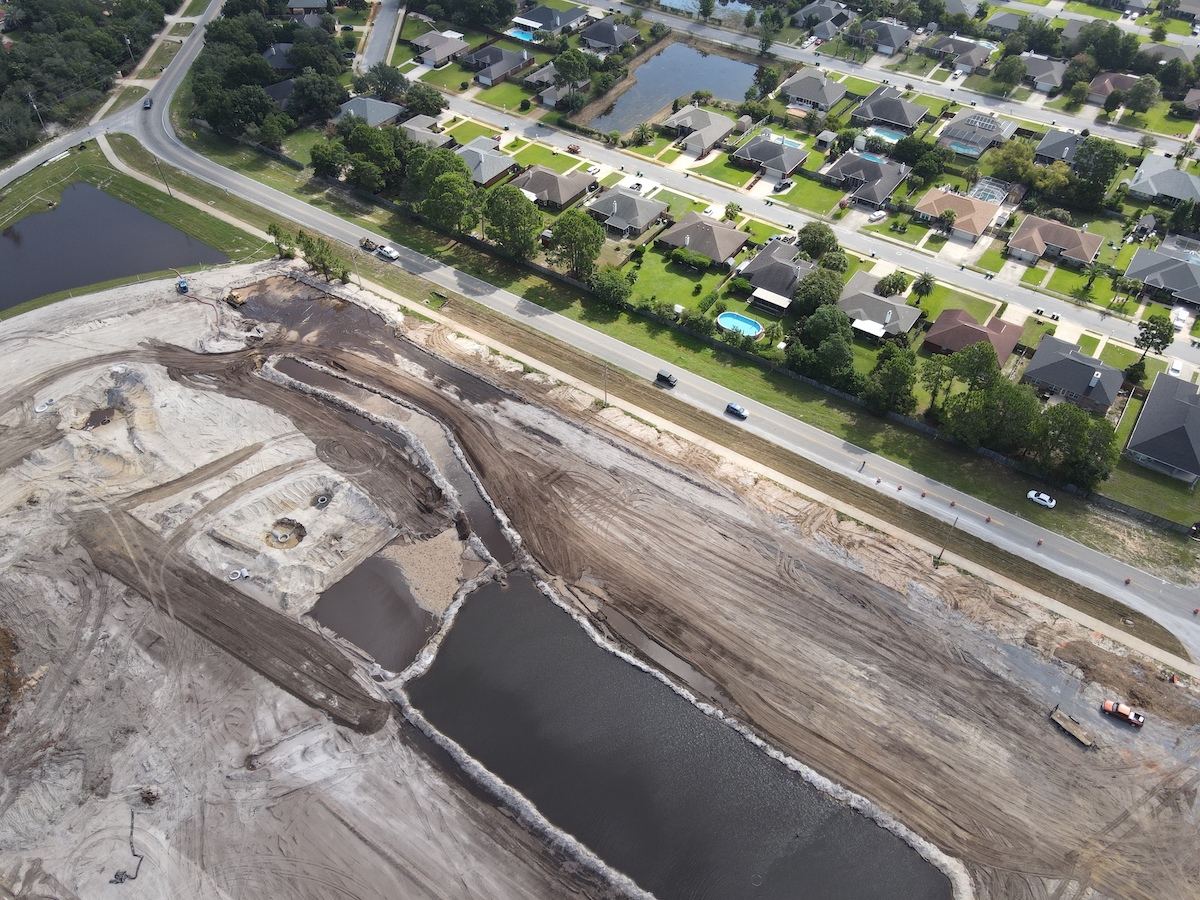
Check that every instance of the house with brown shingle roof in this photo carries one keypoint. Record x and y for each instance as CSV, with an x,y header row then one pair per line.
x,y
955,329
1045,237
553,189
1107,82
972,216
719,241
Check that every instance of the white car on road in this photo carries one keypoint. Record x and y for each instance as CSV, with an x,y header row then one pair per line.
x,y
388,253
1042,499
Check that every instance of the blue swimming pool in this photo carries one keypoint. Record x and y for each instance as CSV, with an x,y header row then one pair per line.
x,y
741,324
964,149
522,35
888,134
872,157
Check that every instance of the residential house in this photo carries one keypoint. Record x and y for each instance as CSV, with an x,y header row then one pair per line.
x,y
1071,30
493,63
701,128
949,46
1164,53
957,328
1157,179
277,57
972,216
436,49
1180,278
554,95
607,35
971,132
310,20
1044,73
774,273
420,130
890,37
1037,238
1167,434
826,18
874,316
1192,100
771,155
1107,82
1057,145
1187,9
553,189
812,89
487,164
626,212
966,8
304,7
719,241
540,79
555,21
281,93
1005,23
374,112
866,179
886,106
969,61
825,140
1060,367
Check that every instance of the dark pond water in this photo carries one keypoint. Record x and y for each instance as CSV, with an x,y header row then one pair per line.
x,y
88,238
374,609
723,9
680,803
677,70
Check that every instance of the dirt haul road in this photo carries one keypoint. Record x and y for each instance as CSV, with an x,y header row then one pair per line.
x,y
925,691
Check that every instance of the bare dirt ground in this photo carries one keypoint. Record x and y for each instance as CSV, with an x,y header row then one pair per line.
x,y
925,691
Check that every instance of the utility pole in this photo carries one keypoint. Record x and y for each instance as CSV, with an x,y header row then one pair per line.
x,y
938,559
354,256
162,176
129,50
606,382
29,94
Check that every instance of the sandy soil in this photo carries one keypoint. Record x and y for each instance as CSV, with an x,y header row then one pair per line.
x,y
925,691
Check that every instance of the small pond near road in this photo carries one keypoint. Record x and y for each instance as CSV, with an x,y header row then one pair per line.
x,y
90,237
673,72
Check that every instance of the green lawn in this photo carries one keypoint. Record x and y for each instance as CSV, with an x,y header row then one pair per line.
x,y
813,196
993,259
655,147
298,144
196,7
860,86
612,178
1170,24
933,104
1088,343
668,282
1128,419
1034,275
917,64
944,297
1145,489
414,27
670,156
1035,328
1121,357
183,29
1067,281
940,74
508,95
347,16
1158,120
678,205
913,233
536,154
448,77
1096,12
160,60
466,131
760,231
723,170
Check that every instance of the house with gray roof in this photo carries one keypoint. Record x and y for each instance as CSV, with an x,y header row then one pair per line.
x,y
812,89
1071,30
556,93
949,46
1178,277
1187,9
886,106
717,240
374,112
1006,22
540,79
419,130
1166,437
1164,52
1157,179
702,129
1060,367
966,8
551,189
487,164
970,60
607,35
826,18
624,211
436,49
1044,73
971,132
867,180
276,56
889,36
874,316
774,273
769,154
281,92
492,64
1057,145
555,21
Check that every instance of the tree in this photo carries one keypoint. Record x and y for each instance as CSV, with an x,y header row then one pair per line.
x,y
1113,101
816,239
818,288
976,365
356,5
1144,95
330,159
767,78
767,33
610,286
1155,332
946,219
452,203
317,95
924,284
1077,95
365,174
1097,162
513,221
642,134
1158,33
1013,160
1009,71
937,376
732,211
1181,216
576,240
890,385
1000,417
892,285
434,165
570,68
1146,143
827,321
750,19
1080,70
1071,445
1094,270
384,81
424,100
972,174
705,9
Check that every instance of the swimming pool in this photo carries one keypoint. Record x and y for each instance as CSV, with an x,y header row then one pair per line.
x,y
872,157
886,133
964,149
522,35
741,324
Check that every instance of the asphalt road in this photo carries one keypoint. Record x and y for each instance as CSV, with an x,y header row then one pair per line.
x,y
1167,603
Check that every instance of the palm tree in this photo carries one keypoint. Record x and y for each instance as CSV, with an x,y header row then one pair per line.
x,y
946,219
643,134
1094,270
971,173
924,284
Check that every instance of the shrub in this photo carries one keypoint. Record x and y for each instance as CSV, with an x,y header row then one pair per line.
x,y
719,307
696,289
740,285
690,258
525,104
463,85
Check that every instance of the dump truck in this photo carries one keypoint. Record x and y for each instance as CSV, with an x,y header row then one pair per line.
x,y
1071,726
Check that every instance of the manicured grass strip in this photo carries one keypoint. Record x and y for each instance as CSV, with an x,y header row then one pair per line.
x,y
723,170
944,297
653,148
536,154
993,258
466,131
1035,329
1128,419
678,205
1034,275
813,196
508,95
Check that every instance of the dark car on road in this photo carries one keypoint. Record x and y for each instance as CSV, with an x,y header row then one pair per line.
x,y
736,409
667,378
